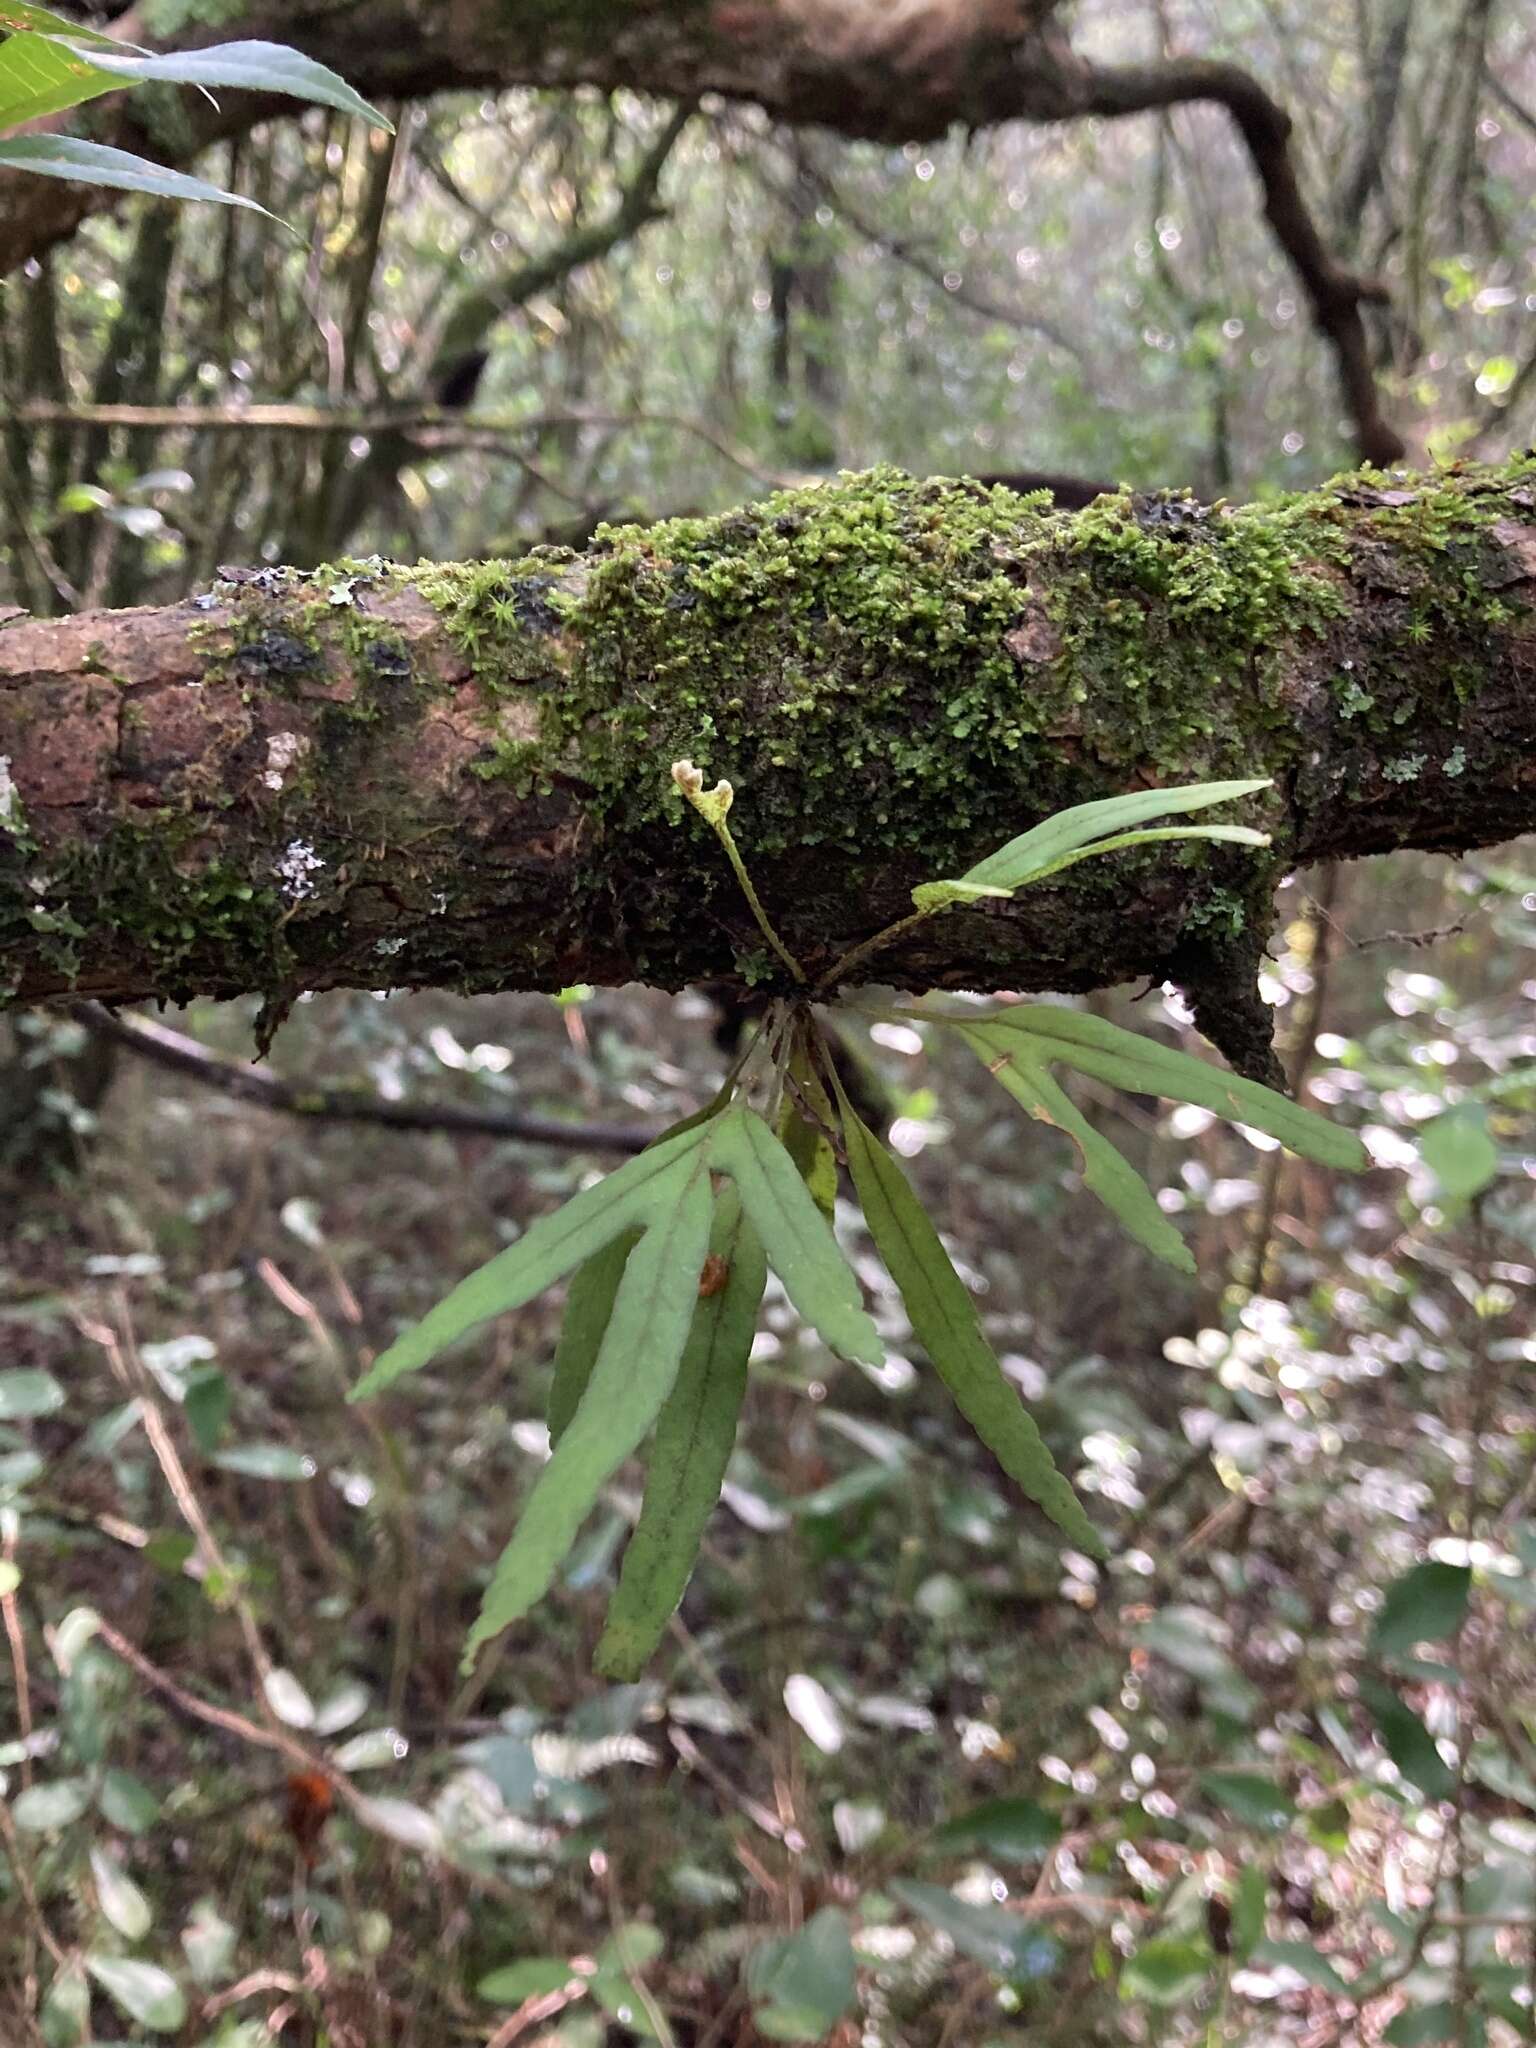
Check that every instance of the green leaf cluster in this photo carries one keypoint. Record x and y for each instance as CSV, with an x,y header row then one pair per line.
x,y
49,64
668,1257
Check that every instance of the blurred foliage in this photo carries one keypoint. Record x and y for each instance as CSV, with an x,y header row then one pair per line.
x,y
904,1775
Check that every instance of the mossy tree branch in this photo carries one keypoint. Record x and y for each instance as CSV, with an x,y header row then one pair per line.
x,y
457,775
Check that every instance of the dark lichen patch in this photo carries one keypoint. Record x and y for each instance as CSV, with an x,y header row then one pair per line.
x,y
273,656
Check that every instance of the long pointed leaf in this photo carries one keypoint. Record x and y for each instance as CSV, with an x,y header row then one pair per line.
x,y
588,1309
248,66
1155,835
800,1245
544,1254
1109,1053
1022,859
635,1371
694,1438
1105,1171
93,163
944,1319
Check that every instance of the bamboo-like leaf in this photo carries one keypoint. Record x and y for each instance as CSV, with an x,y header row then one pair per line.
x,y
944,1319
1110,1053
637,1364
639,1190
1009,1057
800,1245
93,163
247,66
1155,835
1045,847
694,1437
588,1308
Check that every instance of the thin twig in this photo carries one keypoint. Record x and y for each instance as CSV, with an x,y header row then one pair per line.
x,y
182,1055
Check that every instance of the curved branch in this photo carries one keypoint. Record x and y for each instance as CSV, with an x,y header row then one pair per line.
x,y
1335,292
864,68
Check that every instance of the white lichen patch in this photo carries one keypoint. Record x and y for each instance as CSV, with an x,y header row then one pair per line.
x,y
283,749
10,801
297,869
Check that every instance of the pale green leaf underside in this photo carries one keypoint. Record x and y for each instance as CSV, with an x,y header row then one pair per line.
x,y
636,1366
1033,853
247,66
1141,1065
93,163
1022,1071
945,1322
694,1437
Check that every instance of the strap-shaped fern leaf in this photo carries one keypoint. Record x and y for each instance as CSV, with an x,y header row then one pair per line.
x,y
694,1438
945,1322
1019,1045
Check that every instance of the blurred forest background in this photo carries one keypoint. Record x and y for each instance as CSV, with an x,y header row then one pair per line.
x,y
904,1774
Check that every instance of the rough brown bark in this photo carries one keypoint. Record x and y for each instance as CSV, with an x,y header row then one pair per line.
x,y
459,775
884,70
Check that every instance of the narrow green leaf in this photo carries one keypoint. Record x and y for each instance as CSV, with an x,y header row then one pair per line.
x,y
1012,1063
588,1307
530,1977
636,1367
1250,1911
1407,1741
800,1246
694,1439
247,66
1428,1602
1025,858
1231,835
544,1254
946,1324
931,896
93,163
1126,1059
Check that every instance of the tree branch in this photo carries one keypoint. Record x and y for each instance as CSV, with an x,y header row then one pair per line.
x,y
457,775
157,1043
882,70
1335,293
